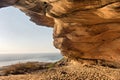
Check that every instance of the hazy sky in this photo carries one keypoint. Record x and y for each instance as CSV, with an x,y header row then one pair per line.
x,y
19,35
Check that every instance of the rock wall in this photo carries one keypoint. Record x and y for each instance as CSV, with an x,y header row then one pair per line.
x,y
83,29
87,29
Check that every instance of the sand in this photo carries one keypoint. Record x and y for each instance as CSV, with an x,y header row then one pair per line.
x,y
74,71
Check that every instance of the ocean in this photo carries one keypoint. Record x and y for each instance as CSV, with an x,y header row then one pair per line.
x,y
9,59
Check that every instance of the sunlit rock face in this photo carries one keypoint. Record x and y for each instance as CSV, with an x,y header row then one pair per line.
x,y
83,29
88,29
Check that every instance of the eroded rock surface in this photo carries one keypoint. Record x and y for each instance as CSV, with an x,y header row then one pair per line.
x,y
83,29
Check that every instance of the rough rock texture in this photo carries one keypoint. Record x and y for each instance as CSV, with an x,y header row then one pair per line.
x,y
88,29
76,71
83,29
5,3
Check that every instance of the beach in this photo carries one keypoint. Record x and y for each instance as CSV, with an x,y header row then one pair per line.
x,y
70,71
8,59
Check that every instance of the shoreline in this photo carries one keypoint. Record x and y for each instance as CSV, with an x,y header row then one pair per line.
x,y
68,70
9,59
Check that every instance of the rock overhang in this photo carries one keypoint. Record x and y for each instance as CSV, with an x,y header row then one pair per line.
x,y
87,29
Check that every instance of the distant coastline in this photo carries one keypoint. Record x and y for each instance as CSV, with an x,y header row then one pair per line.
x,y
9,59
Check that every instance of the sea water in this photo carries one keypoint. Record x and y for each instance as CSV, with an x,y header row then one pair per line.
x,y
8,59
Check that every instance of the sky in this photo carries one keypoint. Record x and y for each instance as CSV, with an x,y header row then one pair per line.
x,y
19,35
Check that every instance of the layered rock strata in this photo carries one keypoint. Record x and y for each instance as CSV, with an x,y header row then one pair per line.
x,y
83,29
